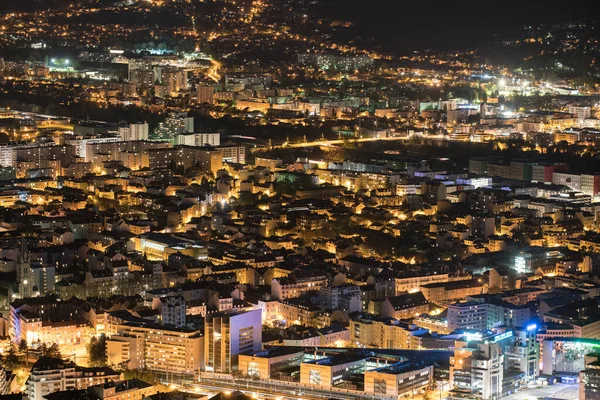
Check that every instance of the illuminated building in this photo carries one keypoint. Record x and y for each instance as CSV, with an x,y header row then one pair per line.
x,y
248,80
98,152
343,297
580,112
589,379
164,349
141,72
134,132
174,79
80,143
8,156
398,380
486,313
49,321
25,276
172,309
199,139
330,61
6,379
380,375
158,246
478,370
233,154
266,364
122,390
566,357
175,125
326,372
405,306
49,375
329,336
367,330
205,94
285,288
229,334
451,291
488,365
205,158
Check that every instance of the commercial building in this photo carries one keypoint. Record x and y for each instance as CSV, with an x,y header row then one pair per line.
x,y
133,389
477,370
402,379
489,366
267,364
229,334
348,373
566,357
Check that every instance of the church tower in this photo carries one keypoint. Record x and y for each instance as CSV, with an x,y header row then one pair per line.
x,y
25,276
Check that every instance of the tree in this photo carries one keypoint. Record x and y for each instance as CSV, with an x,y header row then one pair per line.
x,y
24,350
97,351
11,361
53,351
141,374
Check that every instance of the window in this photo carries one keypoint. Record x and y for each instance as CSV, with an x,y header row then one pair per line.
x,y
379,386
314,377
253,369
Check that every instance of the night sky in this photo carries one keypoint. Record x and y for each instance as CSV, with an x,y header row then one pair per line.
x,y
456,24
403,26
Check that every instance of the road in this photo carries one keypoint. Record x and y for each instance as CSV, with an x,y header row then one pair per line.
x,y
335,142
557,391
278,390
292,391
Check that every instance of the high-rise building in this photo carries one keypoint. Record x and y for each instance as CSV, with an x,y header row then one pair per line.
x,y
205,93
483,312
234,154
199,139
161,348
343,297
175,125
172,309
580,112
482,362
228,334
206,159
134,132
477,370
6,379
174,79
141,73
8,156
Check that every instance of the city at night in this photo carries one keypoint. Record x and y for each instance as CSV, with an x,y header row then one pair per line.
x,y
299,200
